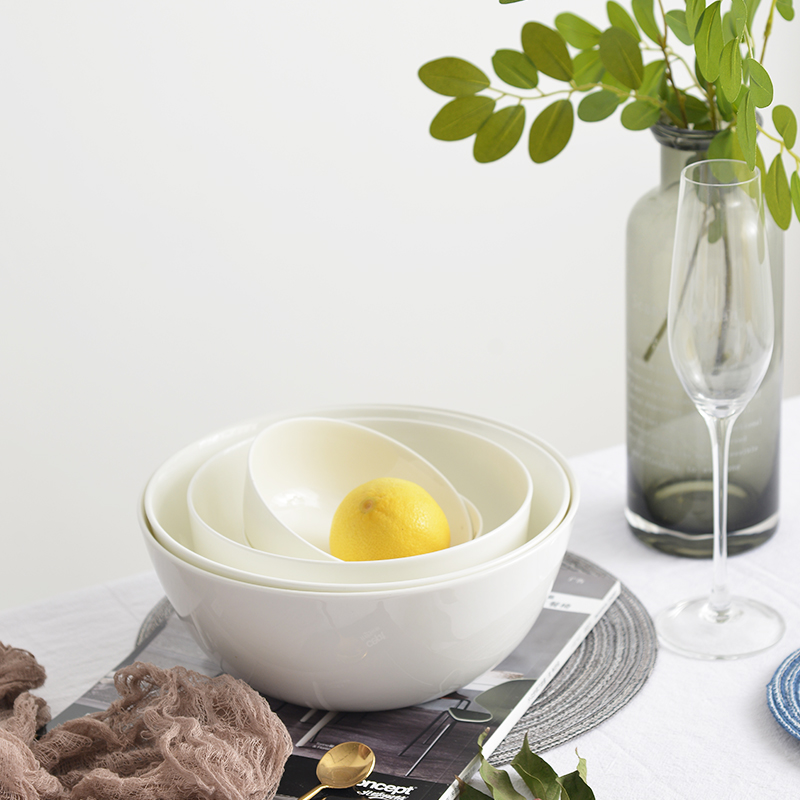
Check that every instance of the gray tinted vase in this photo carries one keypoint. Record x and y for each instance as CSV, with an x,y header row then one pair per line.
x,y
669,503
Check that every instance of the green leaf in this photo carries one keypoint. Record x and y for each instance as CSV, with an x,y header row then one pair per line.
x,y
653,79
677,24
746,128
696,110
778,194
548,51
694,12
752,7
621,56
453,77
724,106
727,28
795,191
537,774
738,16
786,124
643,11
551,131
762,167
639,115
725,145
575,788
730,73
577,31
515,69
598,105
620,18
785,9
499,135
461,117
499,781
709,42
582,769
465,790
588,67
760,84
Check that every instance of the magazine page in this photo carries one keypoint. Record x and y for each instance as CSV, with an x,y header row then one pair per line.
x,y
419,749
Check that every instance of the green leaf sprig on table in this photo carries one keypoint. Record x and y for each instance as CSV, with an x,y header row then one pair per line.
x,y
717,83
540,778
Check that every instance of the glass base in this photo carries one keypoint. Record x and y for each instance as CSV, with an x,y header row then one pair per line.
x,y
699,544
693,628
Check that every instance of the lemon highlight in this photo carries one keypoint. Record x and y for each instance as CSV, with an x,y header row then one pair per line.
x,y
388,518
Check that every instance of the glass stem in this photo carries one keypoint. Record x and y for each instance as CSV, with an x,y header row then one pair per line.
x,y
720,432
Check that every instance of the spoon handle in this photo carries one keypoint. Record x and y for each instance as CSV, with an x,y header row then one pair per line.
x,y
313,792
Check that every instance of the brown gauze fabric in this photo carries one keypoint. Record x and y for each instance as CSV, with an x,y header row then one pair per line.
x,y
172,733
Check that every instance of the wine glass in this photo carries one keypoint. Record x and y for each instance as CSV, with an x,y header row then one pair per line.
x,y
720,332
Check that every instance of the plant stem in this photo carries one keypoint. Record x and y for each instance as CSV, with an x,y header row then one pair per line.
x,y
779,141
670,77
723,328
655,341
768,28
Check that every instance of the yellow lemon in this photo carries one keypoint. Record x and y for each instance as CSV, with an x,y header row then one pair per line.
x,y
388,518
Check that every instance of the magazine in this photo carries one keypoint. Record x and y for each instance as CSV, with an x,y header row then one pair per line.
x,y
419,749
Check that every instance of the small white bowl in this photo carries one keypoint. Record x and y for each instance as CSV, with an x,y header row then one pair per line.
x,y
299,470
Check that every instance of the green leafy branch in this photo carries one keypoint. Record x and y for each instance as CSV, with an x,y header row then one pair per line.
x,y
542,780
726,86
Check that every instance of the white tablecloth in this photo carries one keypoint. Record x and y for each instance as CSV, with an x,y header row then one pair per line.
x,y
697,729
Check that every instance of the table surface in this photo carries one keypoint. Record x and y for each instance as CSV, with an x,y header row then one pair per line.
x,y
697,728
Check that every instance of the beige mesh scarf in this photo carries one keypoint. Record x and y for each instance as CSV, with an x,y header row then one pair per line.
x,y
171,734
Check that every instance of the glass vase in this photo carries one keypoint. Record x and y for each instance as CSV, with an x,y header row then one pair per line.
x,y
669,498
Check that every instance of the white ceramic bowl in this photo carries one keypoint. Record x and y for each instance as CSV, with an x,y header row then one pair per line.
x,y
501,481
361,651
300,469
215,540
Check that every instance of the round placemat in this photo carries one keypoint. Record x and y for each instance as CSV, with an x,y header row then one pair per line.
x,y
783,694
602,675
609,667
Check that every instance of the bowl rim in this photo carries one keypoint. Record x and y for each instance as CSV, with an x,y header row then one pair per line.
x,y
229,436
386,590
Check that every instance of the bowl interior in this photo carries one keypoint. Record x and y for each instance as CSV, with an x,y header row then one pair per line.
x,y
300,470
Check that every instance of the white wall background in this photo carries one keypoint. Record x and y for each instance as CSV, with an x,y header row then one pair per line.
x,y
218,210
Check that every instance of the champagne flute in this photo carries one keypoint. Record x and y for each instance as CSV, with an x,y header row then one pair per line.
x,y
721,332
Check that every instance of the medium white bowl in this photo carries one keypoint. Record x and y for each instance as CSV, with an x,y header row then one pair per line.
x,y
300,469
499,478
364,651
215,539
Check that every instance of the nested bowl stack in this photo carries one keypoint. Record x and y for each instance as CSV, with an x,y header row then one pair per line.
x,y
373,635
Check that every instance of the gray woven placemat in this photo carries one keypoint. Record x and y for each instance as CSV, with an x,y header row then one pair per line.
x,y
601,676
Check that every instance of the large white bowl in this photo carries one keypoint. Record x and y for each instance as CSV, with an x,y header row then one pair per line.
x,y
300,469
364,651
369,650
213,540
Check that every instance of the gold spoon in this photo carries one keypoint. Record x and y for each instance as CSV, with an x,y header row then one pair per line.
x,y
343,766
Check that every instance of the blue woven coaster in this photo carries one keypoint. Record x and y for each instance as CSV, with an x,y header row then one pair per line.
x,y
783,694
